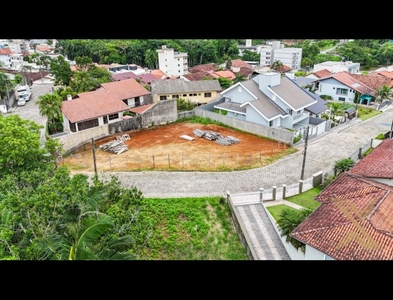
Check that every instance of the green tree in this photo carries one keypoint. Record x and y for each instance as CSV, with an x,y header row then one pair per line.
x,y
184,105
18,78
21,147
61,70
239,77
224,82
384,92
277,65
50,107
343,165
5,86
289,219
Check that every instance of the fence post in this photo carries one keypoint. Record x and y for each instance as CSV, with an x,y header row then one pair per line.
x,y
261,195
274,191
284,190
300,186
360,153
317,179
371,144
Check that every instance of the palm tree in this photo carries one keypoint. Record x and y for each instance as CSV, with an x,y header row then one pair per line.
x,y
277,65
289,219
50,106
343,165
384,92
238,78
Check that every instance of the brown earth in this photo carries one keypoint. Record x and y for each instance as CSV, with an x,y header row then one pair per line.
x,y
163,148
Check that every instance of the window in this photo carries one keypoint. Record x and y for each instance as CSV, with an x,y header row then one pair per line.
x,y
207,95
340,91
341,99
270,123
192,94
162,97
105,119
113,116
175,96
184,95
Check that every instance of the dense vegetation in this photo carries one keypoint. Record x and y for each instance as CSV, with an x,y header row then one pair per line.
x,y
48,214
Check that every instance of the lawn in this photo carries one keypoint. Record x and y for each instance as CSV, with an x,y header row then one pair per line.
x,y
275,210
189,229
306,199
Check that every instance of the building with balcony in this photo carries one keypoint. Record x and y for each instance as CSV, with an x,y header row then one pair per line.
x,y
171,62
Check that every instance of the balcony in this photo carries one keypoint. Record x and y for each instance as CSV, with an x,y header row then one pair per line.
x,y
299,117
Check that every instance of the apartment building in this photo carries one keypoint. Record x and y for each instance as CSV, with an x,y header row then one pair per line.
x,y
171,62
291,57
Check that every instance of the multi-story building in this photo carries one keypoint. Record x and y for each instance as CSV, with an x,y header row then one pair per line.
x,y
171,62
291,57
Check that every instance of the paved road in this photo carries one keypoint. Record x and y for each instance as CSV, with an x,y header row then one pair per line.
x,y
321,154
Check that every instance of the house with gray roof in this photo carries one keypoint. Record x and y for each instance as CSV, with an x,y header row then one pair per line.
x,y
199,92
268,99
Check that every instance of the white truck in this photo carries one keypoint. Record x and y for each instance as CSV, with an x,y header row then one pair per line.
x,y
23,91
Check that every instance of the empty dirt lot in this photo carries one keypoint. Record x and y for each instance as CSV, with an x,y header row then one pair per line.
x,y
163,148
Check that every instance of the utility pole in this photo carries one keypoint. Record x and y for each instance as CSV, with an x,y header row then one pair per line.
x,y
93,148
304,154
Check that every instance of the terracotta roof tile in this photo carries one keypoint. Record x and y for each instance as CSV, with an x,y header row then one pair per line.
x,y
353,221
322,73
125,89
141,109
374,81
205,67
374,165
91,105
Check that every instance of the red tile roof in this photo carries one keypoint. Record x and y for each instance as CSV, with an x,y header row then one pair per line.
x,y
205,67
345,78
141,109
91,105
386,74
322,73
158,74
226,74
125,89
374,164
353,222
374,81
237,63
200,75
5,51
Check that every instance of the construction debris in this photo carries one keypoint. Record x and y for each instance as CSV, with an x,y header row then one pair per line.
x,y
187,137
216,137
117,146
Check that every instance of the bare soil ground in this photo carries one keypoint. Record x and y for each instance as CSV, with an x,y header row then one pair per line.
x,y
163,148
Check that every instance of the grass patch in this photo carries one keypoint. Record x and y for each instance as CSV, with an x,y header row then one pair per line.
x,y
367,113
275,210
368,151
306,199
190,229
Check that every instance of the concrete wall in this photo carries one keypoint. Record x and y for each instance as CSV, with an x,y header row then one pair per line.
x,y
74,140
277,134
161,113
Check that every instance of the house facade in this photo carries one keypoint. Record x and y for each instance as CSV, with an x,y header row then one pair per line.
x,y
268,99
105,105
198,92
343,86
171,62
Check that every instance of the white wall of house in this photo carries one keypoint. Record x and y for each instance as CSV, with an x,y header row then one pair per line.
x,y
238,94
313,254
336,90
5,60
253,116
268,79
171,62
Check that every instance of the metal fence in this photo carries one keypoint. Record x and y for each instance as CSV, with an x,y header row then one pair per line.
x,y
210,162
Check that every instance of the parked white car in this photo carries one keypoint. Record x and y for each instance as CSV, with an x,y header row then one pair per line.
x,y
24,91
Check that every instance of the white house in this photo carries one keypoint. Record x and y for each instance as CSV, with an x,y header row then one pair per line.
x,y
249,47
5,57
343,87
268,99
338,66
171,62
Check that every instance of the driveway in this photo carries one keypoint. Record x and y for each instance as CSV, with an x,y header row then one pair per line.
x,y
30,111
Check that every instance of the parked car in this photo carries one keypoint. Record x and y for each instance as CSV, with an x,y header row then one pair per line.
x,y
22,99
